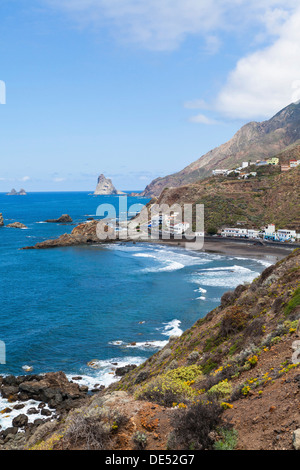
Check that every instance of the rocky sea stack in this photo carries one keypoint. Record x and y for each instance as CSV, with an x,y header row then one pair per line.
x,y
105,187
13,192
1,220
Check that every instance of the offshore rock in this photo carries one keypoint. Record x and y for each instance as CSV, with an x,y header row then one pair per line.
x,y
105,187
64,219
16,225
13,192
1,220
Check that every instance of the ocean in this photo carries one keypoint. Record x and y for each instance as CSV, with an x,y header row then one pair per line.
x,y
114,304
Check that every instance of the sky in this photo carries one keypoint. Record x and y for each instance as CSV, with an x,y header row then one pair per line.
x,y
135,89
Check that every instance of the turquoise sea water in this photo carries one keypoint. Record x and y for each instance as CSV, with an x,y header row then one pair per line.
x,y
61,308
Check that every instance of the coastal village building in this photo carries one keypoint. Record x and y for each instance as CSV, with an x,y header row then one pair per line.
x,y
234,232
268,233
219,172
179,229
294,163
286,235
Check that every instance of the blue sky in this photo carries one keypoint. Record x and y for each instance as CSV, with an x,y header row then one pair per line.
x,y
135,89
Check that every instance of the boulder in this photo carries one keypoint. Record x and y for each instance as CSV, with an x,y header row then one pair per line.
x,y
54,389
20,421
1,220
10,392
296,439
120,371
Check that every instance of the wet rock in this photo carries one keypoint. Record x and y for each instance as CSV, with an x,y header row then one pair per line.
x,y
20,421
120,371
1,220
32,411
38,421
9,392
46,412
9,431
54,388
19,407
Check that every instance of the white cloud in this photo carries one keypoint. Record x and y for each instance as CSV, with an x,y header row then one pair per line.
x,y
266,81
261,83
164,24
25,178
202,119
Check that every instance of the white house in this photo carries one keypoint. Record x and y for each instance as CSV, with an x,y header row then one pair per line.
x,y
252,233
286,235
219,172
234,232
179,229
269,231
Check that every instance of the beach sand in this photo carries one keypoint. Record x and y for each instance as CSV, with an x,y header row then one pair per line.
x,y
272,254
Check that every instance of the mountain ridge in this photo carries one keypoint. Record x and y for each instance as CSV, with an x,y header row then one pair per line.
x,y
253,141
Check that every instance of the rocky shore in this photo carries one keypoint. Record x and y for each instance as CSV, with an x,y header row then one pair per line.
x,y
83,234
39,399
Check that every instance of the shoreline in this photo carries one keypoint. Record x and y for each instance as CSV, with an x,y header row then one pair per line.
x,y
233,248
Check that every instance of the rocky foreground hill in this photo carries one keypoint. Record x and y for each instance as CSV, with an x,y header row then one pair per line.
x,y
254,141
231,381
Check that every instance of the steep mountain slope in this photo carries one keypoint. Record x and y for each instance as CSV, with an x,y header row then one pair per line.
x,y
271,197
252,142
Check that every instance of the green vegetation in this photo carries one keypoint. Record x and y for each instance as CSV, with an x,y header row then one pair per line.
x,y
174,386
228,441
293,303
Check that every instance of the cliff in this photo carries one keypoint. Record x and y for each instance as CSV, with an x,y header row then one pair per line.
x,y
231,381
1,220
254,141
105,187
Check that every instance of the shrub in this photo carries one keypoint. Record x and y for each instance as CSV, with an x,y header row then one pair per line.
x,y
294,302
222,389
140,440
93,432
172,386
229,440
193,426
253,360
193,357
233,321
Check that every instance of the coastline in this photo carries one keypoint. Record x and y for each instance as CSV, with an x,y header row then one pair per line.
x,y
272,254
